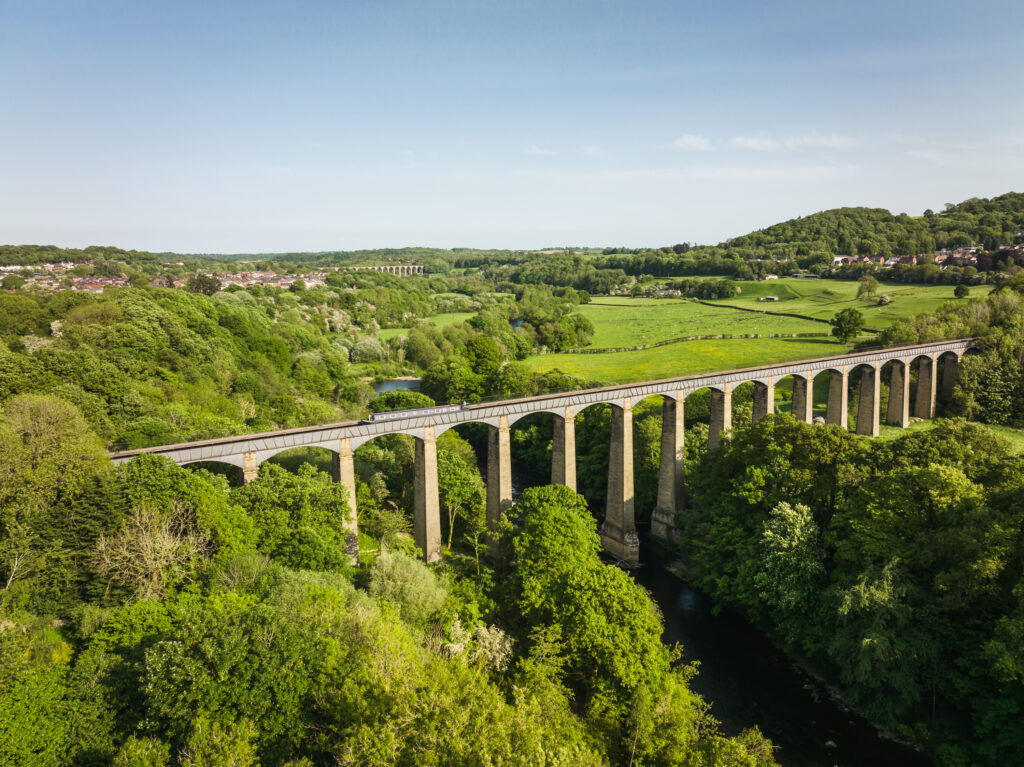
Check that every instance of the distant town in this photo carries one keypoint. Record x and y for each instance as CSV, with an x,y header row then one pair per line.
x,y
67,275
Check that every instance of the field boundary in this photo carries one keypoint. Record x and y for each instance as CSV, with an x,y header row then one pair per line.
x,y
774,314
680,339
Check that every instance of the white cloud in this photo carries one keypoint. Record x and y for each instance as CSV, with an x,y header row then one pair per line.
x,y
756,143
536,151
822,141
774,173
765,143
693,142
592,150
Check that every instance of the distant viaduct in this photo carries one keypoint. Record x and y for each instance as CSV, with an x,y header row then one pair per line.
x,y
392,268
935,363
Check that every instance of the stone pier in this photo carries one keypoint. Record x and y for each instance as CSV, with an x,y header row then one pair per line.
x,y
803,398
949,366
618,533
764,399
427,513
721,414
672,471
344,471
867,405
250,467
924,406
499,472
837,411
563,450
898,412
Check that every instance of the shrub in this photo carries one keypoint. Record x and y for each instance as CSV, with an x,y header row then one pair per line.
x,y
408,584
367,350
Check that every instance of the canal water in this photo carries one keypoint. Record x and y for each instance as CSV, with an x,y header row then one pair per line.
x,y
748,681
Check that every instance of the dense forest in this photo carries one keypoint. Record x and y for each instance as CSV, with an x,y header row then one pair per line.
x,y
155,615
894,568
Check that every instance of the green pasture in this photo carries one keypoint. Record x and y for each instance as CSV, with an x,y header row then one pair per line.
x,y
1015,436
640,321
823,298
686,358
441,320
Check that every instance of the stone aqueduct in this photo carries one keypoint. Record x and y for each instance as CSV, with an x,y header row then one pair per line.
x,y
934,361
402,269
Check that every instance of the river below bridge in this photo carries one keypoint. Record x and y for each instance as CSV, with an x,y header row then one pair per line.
x,y
748,681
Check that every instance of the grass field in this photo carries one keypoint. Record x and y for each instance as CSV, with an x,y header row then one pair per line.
x,y
622,321
823,298
685,358
640,321
449,318
1015,436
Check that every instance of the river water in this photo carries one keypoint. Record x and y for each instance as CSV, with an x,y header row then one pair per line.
x,y
396,383
748,681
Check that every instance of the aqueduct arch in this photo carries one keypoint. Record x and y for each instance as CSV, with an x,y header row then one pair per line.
x,y
618,533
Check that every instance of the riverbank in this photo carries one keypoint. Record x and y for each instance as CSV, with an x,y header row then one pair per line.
x,y
749,681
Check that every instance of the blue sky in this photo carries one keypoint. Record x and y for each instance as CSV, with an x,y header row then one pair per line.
x,y
262,127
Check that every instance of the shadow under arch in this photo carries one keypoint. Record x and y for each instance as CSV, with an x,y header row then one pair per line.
x,y
864,398
321,458
228,468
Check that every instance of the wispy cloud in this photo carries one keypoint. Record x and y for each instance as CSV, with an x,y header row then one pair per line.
x,y
693,142
765,143
536,151
774,173
592,150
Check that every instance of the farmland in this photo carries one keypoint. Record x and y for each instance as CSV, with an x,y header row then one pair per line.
x,y
642,321
685,358
621,321
823,298
448,318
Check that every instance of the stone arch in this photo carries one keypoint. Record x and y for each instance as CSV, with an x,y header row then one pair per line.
x,y
229,467
947,364
654,416
923,385
229,460
793,393
829,394
426,502
697,407
894,401
323,458
741,403
864,379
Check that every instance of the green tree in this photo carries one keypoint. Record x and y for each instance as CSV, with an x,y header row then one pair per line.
x,y
847,324
460,488
408,584
213,744
867,286
281,503
399,399
224,665
48,454
484,356
961,291
791,570
206,284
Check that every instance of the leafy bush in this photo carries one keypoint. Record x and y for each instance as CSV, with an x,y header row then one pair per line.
x,y
408,584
